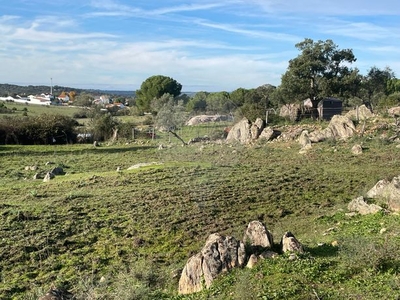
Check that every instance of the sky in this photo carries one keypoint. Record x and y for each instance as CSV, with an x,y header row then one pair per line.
x,y
206,45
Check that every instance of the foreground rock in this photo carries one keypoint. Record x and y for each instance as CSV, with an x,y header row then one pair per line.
x,y
222,253
49,176
257,235
289,243
363,208
387,192
268,134
219,254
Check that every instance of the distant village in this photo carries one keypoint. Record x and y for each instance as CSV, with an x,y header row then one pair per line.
x,y
62,99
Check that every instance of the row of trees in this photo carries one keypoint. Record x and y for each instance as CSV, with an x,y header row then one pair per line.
x,y
320,70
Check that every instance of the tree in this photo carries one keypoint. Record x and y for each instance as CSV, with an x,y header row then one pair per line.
x,y
171,117
84,99
377,81
102,126
219,102
317,72
393,86
197,103
153,88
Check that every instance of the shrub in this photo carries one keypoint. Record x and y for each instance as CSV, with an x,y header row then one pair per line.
x,y
102,126
43,129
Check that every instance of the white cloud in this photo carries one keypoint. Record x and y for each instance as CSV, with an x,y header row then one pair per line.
x,y
358,30
252,33
328,8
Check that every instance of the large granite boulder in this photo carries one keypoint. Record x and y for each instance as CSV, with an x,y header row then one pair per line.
x,y
240,132
257,235
268,134
222,253
219,254
362,113
339,128
256,128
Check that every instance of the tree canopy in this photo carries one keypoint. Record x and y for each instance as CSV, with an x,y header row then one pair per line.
x,y
321,69
155,87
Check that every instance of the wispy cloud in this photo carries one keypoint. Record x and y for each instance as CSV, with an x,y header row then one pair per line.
x,y
358,30
328,8
202,43
252,33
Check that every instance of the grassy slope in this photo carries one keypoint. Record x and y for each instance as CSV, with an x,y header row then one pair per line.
x,y
134,228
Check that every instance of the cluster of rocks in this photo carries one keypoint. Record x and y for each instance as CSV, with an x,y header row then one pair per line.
x,y
222,253
385,193
245,132
45,175
341,127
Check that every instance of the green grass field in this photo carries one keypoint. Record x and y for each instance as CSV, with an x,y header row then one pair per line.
x,y
104,234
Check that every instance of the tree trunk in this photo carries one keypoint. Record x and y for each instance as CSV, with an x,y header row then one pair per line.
x,y
178,137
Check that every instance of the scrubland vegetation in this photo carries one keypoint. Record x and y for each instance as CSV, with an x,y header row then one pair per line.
x,y
104,234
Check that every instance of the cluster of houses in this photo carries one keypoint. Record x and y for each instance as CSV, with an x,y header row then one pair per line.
x,y
42,99
49,99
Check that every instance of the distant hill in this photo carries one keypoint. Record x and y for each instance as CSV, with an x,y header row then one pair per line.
x,y
12,89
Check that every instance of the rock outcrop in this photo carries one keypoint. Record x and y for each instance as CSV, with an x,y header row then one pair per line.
x,y
362,113
240,132
363,208
257,235
219,254
387,192
339,128
222,253
256,128
394,111
268,134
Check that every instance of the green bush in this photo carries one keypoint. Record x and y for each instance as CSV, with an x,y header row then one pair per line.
x,y
41,130
102,126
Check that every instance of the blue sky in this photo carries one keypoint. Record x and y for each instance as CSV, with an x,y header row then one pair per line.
x,y
205,45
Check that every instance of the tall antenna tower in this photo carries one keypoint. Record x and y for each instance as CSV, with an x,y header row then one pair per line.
x,y
51,86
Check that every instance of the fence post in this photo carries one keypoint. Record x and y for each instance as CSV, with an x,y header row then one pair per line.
x,y
357,114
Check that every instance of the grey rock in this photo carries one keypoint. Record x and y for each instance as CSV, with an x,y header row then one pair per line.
x,y
240,132
257,234
363,208
289,243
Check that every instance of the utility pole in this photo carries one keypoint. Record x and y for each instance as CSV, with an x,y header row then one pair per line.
x,y
51,86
